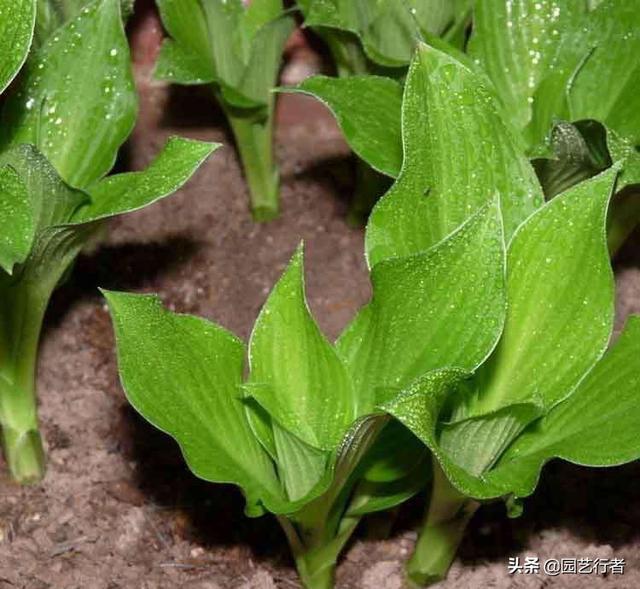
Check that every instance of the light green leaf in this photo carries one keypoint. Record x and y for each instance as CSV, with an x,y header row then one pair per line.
x,y
475,443
177,65
516,42
368,110
123,193
596,426
458,155
261,69
18,226
560,294
77,101
419,408
308,389
606,86
300,466
182,373
444,307
52,202
17,19
185,58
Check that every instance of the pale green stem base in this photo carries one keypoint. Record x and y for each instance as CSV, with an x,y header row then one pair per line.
x,y
446,520
19,336
253,134
316,555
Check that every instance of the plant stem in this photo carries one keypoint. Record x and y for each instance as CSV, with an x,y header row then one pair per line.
x,y
316,550
253,133
22,321
447,517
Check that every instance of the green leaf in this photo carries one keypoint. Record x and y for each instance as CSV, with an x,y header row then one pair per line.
x,y
237,47
123,193
18,229
77,101
182,374
516,42
368,110
186,57
444,307
605,88
560,295
300,466
458,155
596,426
419,407
17,19
387,29
52,202
263,64
308,390
476,443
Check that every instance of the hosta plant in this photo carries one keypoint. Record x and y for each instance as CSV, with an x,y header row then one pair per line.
x,y
298,423
484,337
235,49
546,62
62,126
545,389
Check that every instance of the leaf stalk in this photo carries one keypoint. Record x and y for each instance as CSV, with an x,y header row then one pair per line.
x,y
253,133
447,517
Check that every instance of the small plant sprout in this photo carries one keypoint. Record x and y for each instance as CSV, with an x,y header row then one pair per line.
x,y
235,48
62,127
304,435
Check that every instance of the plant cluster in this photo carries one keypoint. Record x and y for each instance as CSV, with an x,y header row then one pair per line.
x,y
486,349
62,125
563,75
480,356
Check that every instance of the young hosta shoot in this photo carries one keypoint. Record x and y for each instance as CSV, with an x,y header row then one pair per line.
x,y
235,47
546,390
305,435
62,127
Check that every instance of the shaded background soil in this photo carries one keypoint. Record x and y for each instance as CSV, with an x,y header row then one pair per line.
x,y
119,509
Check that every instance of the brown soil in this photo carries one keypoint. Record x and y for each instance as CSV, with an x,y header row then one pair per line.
x,y
119,509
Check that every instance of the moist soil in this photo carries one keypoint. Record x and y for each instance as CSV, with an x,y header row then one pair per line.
x,y
118,507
